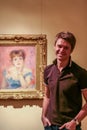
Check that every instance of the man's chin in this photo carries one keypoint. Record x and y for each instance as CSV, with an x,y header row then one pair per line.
x,y
61,58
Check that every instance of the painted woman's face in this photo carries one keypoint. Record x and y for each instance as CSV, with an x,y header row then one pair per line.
x,y
18,61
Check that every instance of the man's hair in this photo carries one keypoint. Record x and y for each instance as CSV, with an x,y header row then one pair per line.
x,y
67,36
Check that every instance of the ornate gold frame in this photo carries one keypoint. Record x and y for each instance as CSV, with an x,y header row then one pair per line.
x,y
40,43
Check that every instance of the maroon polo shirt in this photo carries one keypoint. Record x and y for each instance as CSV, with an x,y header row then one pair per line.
x,y
65,91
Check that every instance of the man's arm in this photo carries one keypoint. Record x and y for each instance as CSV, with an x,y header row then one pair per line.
x,y
45,107
79,117
82,114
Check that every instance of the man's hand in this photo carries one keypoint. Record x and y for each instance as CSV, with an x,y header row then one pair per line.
x,y
45,121
69,125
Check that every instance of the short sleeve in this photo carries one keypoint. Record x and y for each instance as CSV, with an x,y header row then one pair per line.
x,y
47,73
83,79
45,76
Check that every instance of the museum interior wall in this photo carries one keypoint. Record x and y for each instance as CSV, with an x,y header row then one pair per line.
x,y
40,17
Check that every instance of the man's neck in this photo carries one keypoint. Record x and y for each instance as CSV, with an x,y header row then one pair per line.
x,y
62,64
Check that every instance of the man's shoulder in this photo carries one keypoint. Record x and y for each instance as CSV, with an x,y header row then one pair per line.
x,y
48,67
77,67
49,70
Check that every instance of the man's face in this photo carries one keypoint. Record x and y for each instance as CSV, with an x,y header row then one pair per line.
x,y
62,49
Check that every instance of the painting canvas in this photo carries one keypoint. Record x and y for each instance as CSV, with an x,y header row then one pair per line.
x,y
27,80
30,60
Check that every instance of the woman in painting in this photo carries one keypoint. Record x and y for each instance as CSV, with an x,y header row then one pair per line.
x,y
17,75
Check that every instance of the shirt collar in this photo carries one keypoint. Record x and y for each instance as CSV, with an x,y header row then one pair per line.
x,y
69,64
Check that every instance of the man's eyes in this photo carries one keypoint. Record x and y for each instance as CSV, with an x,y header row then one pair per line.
x,y
64,47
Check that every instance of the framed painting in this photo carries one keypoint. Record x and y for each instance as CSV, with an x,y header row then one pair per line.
x,y
22,62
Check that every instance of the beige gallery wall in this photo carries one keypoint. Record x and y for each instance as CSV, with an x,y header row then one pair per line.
x,y
41,17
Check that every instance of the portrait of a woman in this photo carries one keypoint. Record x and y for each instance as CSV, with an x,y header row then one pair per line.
x,y
17,75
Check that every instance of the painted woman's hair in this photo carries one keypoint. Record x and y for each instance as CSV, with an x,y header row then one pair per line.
x,y
14,53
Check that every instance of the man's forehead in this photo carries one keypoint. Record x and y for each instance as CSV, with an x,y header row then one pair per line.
x,y
62,42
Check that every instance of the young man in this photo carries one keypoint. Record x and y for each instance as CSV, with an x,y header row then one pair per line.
x,y
65,83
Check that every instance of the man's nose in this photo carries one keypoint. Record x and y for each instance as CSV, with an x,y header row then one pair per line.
x,y
62,49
